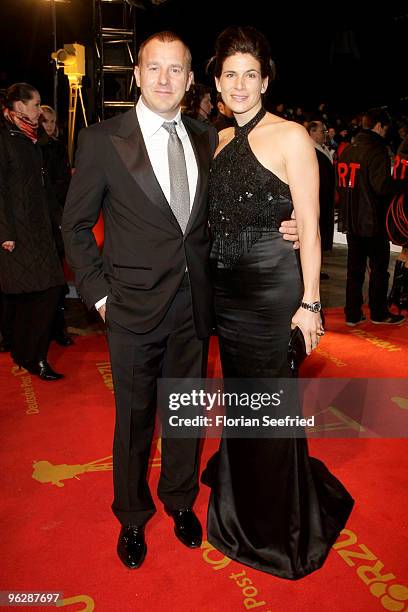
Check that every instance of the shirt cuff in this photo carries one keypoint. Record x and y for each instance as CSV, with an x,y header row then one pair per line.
x,y
101,302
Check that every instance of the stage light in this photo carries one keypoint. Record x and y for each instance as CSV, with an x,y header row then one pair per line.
x,y
72,59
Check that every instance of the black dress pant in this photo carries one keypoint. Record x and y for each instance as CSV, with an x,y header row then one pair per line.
x,y
33,319
171,350
6,318
377,251
59,325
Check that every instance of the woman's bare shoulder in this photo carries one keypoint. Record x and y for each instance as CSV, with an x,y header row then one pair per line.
x,y
284,126
226,135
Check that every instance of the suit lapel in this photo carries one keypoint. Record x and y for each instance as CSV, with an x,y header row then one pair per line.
x,y
199,141
129,144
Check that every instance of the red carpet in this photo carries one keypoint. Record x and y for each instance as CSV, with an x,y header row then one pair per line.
x,y
59,533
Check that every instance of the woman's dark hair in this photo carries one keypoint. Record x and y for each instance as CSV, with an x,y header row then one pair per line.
x,y
16,92
243,39
193,98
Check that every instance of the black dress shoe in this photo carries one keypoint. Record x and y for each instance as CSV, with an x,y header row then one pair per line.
x,y
187,527
42,369
132,546
63,339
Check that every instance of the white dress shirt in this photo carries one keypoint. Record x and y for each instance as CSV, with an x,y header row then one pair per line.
x,y
323,149
156,139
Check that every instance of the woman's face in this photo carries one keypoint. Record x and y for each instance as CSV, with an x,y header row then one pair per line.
x,y
31,108
48,122
206,105
241,83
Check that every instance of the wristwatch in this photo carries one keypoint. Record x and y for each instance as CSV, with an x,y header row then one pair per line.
x,y
312,306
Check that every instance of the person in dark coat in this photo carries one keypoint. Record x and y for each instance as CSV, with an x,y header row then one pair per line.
x,y
365,189
318,133
30,269
56,164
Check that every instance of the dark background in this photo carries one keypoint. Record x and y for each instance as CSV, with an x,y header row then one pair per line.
x,y
347,55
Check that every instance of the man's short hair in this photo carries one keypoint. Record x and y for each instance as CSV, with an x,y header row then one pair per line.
x,y
313,126
374,116
166,37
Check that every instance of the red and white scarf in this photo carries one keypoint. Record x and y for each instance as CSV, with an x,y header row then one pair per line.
x,y
23,123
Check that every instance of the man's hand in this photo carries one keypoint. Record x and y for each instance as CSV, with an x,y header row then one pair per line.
x,y
290,231
102,311
9,245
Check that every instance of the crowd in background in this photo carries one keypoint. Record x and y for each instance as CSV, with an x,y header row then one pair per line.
x,y
331,132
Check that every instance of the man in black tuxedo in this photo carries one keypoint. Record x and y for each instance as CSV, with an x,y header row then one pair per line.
x,y
154,273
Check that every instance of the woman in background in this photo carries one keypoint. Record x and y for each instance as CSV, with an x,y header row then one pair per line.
x,y
30,269
197,102
58,170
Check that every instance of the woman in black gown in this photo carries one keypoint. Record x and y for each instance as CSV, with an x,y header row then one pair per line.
x,y
272,506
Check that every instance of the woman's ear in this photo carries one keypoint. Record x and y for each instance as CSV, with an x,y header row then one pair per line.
x,y
19,106
264,86
217,84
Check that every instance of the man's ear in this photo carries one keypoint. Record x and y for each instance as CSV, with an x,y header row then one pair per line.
x,y
136,72
190,80
378,128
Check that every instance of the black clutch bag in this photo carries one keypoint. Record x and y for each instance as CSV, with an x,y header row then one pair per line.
x,y
296,350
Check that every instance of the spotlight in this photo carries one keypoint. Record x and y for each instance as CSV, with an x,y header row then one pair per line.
x,y
72,59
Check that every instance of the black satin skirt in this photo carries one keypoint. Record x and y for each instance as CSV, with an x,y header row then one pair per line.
x,y
272,507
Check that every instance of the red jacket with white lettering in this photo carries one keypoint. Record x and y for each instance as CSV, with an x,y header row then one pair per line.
x,y
365,185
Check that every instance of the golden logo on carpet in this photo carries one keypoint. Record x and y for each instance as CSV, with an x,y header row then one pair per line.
x,y
105,370
402,402
85,599
335,360
392,596
27,389
48,473
340,422
369,337
250,593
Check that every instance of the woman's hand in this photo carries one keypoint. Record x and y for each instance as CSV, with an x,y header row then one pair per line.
x,y
311,326
289,229
8,245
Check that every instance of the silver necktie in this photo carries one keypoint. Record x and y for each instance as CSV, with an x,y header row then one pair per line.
x,y
179,191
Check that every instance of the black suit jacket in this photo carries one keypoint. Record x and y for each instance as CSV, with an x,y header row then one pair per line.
x,y
145,253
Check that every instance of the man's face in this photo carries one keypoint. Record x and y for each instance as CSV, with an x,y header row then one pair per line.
x,y
163,76
383,130
319,134
31,108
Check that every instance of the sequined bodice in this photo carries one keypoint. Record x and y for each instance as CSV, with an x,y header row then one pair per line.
x,y
245,198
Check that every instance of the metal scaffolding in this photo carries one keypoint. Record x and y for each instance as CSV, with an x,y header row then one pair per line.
x,y
115,53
